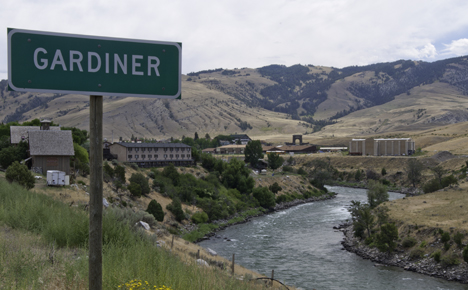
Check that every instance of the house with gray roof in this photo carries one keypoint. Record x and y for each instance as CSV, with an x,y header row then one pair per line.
x,y
153,154
20,133
51,150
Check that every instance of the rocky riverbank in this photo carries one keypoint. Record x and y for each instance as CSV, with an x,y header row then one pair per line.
x,y
402,258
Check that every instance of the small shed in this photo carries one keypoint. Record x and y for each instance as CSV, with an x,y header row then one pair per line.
x,y
51,150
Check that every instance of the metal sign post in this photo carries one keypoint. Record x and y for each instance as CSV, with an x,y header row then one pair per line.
x,y
49,62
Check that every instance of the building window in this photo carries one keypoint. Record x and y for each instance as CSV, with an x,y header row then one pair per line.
x,y
150,149
143,156
155,156
155,149
171,149
165,155
129,149
143,149
177,149
188,155
129,156
182,155
171,156
136,149
136,156
182,149
150,156
177,156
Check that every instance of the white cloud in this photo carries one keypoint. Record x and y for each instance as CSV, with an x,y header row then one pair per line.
x,y
245,33
457,47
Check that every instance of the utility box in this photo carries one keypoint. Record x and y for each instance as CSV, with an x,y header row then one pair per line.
x,y
55,177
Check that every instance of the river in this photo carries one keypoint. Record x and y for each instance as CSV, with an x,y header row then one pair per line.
x,y
305,251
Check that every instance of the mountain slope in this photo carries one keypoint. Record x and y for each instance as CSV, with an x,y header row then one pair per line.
x,y
274,101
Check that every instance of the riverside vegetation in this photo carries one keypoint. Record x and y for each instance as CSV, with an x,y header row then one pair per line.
x,y
44,246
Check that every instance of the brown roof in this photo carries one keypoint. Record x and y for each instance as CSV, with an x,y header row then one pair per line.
x,y
209,150
231,146
46,142
294,148
19,133
268,148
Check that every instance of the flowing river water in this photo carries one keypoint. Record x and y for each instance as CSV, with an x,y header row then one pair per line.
x,y
302,247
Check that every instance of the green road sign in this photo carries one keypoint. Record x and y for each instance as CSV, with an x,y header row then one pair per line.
x,y
48,62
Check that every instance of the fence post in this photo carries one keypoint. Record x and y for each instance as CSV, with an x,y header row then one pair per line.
x,y
172,244
233,258
272,277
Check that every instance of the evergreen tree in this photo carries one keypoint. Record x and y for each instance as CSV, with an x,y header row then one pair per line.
x,y
253,152
156,210
19,173
275,161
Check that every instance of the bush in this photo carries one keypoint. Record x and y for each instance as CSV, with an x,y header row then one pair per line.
x,y
431,186
288,169
465,254
371,174
135,189
156,210
265,197
301,171
19,173
445,237
141,180
385,182
275,188
119,173
416,253
384,171
436,256
458,238
176,208
108,170
385,240
200,217
450,260
408,242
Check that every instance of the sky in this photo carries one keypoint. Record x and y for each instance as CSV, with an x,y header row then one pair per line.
x,y
255,33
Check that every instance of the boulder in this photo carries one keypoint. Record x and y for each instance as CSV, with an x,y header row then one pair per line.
x,y
202,263
105,203
142,224
211,252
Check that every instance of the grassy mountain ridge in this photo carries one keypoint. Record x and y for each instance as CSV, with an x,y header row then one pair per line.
x,y
274,100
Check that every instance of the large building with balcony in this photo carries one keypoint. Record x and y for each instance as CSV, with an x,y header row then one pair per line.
x,y
153,154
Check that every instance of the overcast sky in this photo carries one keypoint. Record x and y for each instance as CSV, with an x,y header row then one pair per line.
x,y
250,33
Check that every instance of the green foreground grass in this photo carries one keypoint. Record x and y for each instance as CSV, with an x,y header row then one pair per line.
x,y
43,245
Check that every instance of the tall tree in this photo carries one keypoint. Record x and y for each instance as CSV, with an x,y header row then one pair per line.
x,y
414,169
275,161
253,152
438,173
376,193
196,136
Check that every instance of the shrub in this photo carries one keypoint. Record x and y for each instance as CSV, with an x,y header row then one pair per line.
x,y
465,254
436,256
135,189
200,217
108,170
385,182
288,169
431,186
19,173
384,171
416,253
156,210
371,174
445,237
176,208
458,238
408,242
447,246
450,260
301,171
119,173
449,180
385,240
141,180
265,197
423,244
275,188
